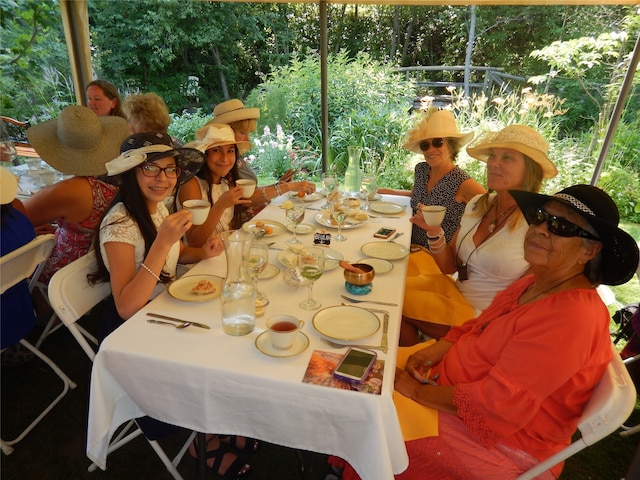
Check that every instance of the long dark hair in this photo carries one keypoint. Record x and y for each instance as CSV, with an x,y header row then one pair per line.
x,y
133,200
231,177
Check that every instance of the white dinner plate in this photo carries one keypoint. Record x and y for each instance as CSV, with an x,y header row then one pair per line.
x,y
324,219
374,198
346,323
331,258
385,250
386,208
276,227
379,265
310,197
300,344
182,289
302,229
269,271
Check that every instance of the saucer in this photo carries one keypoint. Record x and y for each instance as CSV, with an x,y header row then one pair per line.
x,y
263,343
269,271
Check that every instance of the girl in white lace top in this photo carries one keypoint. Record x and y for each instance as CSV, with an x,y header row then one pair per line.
x,y
138,233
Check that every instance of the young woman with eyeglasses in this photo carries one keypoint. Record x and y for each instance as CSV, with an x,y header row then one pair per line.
x,y
486,250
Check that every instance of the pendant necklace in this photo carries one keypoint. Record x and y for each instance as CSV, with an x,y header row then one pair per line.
x,y
496,221
550,288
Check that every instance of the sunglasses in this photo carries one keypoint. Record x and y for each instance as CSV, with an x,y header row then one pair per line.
x,y
151,170
436,143
556,225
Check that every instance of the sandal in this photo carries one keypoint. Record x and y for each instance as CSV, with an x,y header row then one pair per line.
x,y
249,445
237,467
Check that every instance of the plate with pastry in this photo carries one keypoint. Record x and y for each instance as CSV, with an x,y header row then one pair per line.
x,y
271,227
196,288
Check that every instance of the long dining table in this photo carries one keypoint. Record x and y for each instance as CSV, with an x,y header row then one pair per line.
x,y
208,381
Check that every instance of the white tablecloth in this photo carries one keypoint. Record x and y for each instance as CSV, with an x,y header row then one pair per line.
x,y
208,381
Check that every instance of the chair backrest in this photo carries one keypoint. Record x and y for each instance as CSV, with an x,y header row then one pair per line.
x,y
16,130
611,403
71,296
25,262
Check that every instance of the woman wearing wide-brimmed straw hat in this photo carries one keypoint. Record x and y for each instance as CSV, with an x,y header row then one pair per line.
x,y
243,121
504,391
486,250
437,180
77,143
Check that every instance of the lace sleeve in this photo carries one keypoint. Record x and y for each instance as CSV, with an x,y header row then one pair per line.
x,y
117,226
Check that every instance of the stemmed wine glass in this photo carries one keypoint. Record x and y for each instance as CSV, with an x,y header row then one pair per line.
x,y
256,262
295,215
367,187
339,211
329,184
311,267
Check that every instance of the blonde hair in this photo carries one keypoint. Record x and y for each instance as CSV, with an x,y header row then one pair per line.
x,y
146,112
532,183
248,125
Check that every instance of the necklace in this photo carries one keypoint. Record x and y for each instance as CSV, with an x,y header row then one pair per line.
x,y
556,285
496,221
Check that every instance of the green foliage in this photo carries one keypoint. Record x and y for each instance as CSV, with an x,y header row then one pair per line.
x,y
183,126
367,107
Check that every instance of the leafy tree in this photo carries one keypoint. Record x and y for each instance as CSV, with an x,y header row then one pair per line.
x,y
36,77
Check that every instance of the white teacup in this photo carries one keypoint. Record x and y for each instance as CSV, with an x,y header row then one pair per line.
x,y
199,210
283,330
433,214
248,187
47,176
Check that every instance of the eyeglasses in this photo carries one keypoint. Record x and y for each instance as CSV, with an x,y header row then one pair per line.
x,y
151,170
436,142
556,225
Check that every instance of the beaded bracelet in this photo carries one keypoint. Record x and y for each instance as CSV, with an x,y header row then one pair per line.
x,y
440,235
277,187
437,249
264,195
150,271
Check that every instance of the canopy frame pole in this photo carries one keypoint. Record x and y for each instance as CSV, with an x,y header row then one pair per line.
x,y
617,111
323,84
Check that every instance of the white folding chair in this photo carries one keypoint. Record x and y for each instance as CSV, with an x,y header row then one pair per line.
x,y
626,429
71,296
22,263
611,403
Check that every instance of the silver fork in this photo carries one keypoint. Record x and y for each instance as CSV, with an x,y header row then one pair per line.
x,y
353,300
370,347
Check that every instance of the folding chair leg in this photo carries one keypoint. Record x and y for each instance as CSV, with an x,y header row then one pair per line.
x,y
628,431
48,329
67,384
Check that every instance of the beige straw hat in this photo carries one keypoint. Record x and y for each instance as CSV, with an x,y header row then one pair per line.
x,y
233,111
440,124
8,186
216,135
79,142
521,138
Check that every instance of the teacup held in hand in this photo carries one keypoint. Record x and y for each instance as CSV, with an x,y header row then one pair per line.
x,y
199,210
433,214
248,187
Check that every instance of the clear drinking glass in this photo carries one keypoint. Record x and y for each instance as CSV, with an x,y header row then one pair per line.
x,y
367,187
255,263
295,215
339,211
311,267
8,152
329,184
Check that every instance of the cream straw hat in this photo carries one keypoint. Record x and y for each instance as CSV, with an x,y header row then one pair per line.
x,y
440,124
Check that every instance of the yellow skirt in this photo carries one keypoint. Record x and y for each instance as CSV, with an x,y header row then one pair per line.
x,y
432,296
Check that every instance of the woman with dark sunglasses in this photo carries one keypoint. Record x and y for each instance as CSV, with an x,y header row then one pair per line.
x,y
505,390
486,250
437,180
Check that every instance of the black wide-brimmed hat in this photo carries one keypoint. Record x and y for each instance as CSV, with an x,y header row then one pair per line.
x,y
619,249
148,146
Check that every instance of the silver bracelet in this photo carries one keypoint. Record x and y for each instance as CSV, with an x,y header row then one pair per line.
x,y
277,187
264,195
150,271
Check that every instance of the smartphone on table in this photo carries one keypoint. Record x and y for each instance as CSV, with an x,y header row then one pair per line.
x,y
355,365
384,232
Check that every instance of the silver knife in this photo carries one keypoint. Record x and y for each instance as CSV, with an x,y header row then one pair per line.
x,y
173,319
385,326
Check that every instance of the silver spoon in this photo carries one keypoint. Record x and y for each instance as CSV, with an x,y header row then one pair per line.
x,y
177,325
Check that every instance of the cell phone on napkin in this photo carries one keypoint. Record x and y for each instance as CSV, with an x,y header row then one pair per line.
x,y
355,365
